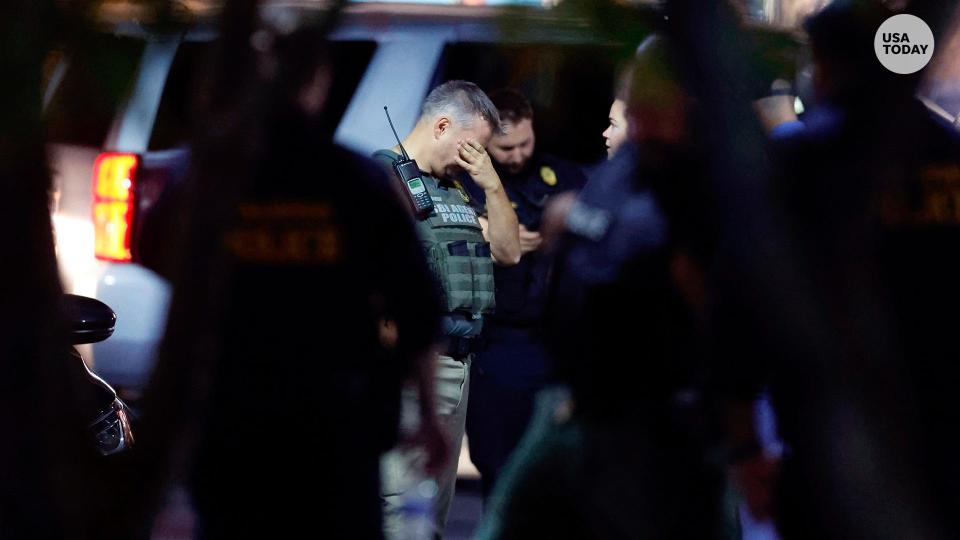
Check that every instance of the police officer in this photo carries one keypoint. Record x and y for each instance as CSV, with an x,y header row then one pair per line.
x,y
513,364
285,296
873,198
456,123
630,461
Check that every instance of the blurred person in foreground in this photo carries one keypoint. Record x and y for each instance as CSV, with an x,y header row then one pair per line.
x,y
869,184
300,391
456,124
631,459
512,364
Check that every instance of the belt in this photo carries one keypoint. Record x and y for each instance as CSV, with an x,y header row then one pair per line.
x,y
459,348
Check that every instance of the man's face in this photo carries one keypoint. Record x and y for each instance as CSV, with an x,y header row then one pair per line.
x,y
478,129
513,149
616,133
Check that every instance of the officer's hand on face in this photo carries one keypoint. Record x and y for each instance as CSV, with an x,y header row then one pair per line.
x,y
475,160
529,240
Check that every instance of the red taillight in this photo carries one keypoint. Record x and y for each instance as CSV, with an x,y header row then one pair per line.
x,y
113,204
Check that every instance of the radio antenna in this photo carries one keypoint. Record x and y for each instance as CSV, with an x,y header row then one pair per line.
x,y
402,149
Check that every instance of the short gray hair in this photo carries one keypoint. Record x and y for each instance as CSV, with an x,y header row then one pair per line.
x,y
461,100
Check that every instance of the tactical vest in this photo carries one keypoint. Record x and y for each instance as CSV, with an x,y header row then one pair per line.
x,y
455,248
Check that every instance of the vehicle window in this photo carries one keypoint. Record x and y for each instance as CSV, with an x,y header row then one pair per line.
x,y
175,119
570,87
98,77
350,60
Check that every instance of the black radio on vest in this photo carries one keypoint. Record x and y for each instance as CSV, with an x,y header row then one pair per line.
x,y
409,174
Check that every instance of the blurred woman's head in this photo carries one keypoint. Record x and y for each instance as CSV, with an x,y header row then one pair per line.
x,y
658,105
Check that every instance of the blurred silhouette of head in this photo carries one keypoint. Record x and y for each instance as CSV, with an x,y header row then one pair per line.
x,y
846,68
294,62
658,104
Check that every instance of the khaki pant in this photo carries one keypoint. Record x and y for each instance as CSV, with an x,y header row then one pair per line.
x,y
452,389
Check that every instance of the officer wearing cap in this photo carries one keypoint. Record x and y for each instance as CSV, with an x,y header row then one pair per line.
x,y
456,123
513,364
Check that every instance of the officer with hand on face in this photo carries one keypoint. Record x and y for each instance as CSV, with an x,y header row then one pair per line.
x,y
456,123
513,364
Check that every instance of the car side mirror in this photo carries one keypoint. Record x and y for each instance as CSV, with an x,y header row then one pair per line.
x,y
89,320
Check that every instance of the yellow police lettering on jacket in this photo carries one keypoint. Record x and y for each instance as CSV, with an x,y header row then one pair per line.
x,y
937,202
286,233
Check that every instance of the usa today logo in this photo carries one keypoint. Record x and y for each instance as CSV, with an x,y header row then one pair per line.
x,y
904,44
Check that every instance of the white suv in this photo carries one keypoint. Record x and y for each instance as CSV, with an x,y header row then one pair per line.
x,y
119,115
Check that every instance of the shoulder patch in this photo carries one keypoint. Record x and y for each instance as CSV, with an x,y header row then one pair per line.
x,y
461,191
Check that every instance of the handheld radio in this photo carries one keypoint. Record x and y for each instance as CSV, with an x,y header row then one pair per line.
x,y
409,173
